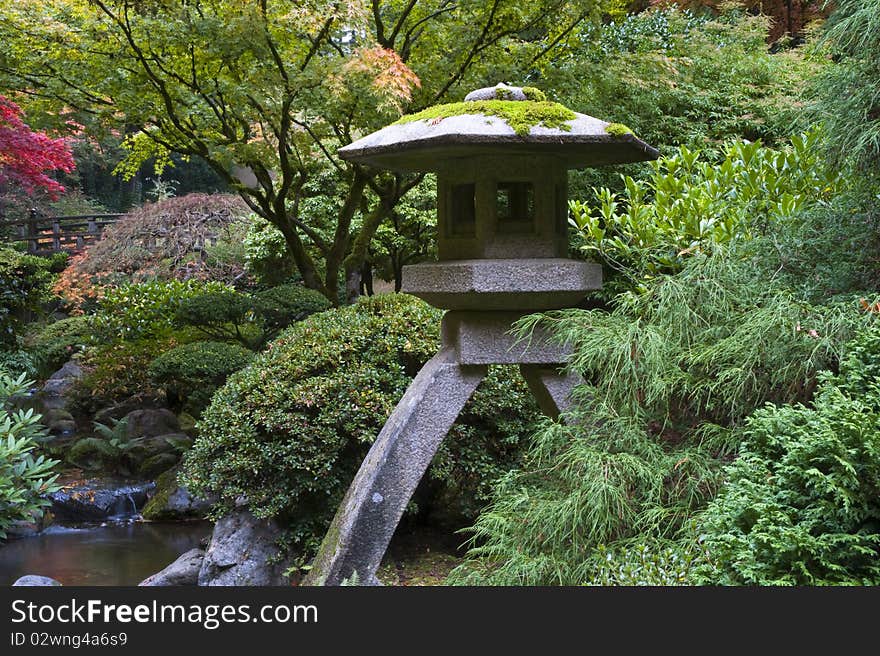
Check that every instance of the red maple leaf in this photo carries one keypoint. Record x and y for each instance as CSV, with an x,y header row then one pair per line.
x,y
27,157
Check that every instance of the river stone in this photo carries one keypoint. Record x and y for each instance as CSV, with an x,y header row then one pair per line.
x,y
53,394
150,422
157,464
59,421
240,550
95,501
172,501
119,410
183,571
34,580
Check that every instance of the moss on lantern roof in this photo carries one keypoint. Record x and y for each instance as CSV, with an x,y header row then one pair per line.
x,y
617,129
521,115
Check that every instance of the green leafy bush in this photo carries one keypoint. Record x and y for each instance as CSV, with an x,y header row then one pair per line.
x,y
117,371
280,306
801,505
190,373
25,476
135,311
266,253
289,431
56,343
25,281
249,319
672,373
689,205
223,315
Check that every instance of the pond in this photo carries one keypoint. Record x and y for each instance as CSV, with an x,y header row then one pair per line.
x,y
120,553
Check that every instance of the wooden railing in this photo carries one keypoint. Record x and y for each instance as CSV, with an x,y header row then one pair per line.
x,y
45,235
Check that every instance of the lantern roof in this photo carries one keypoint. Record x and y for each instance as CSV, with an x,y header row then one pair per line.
x,y
500,120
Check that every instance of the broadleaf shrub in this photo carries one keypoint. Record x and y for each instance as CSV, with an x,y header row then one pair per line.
x,y
26,477
289,431
280,306
117,371
57,342
135,311
190,373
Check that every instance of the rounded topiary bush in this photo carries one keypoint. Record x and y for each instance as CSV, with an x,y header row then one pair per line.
x,y
289,431
282,305
190,373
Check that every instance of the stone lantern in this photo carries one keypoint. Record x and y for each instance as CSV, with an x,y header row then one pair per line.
x,y
501,160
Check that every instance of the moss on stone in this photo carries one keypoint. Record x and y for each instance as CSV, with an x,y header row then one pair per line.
x,y
617,129
535,94
521,115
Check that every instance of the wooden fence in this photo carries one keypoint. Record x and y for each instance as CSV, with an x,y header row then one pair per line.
x,y
46,235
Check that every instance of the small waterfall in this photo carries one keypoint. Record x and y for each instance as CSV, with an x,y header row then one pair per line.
x,y
101,500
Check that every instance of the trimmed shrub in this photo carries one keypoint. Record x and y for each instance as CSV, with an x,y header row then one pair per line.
x,y
283,305
289,431
118,371
56,343
191,373
802,502
221,315
149,308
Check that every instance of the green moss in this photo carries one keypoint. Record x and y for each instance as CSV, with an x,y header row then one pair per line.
x,y
521,115
618,130
533,93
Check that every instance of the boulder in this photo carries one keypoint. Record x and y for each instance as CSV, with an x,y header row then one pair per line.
x,y
151,422
59,421
172,501
240,552
118,411
183,571
156,465
96,500
53,394
35,580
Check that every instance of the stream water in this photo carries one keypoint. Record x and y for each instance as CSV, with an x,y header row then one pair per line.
x,y
118,553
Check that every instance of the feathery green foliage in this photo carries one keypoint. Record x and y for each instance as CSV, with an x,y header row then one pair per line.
x,y
671,374
847,94
802,502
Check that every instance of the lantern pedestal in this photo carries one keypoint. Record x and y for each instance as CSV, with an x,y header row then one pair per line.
x,y
368,516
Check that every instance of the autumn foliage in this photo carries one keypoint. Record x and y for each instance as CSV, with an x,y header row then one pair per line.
x,y
27,157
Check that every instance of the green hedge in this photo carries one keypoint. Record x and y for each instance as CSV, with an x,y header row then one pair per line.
x,y
289,431
191,373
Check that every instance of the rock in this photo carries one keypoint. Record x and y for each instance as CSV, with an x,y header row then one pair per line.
x,y
240,550
59,421
157,464
91,453
53,395
187,422
107,415
35,580
96,500
150,422
145,454
173,501
183,571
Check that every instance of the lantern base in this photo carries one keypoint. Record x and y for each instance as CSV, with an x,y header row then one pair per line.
x,y
355,544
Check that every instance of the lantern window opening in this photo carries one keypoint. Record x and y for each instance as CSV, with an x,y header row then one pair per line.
x,y
515,206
